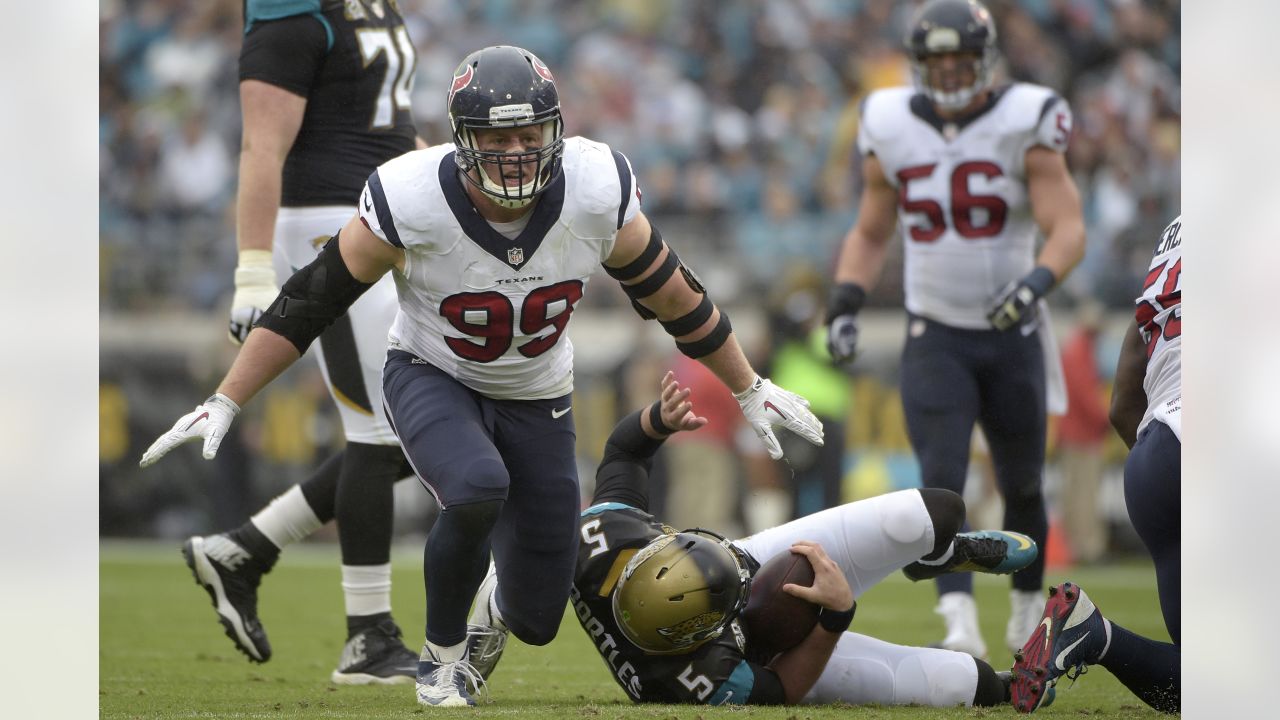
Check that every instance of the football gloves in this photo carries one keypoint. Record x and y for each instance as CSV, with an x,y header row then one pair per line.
x,y
255,290
210,420
1016,302
766,405
842,321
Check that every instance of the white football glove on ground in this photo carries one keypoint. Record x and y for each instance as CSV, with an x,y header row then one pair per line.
x,y
255,291
210,420
766,405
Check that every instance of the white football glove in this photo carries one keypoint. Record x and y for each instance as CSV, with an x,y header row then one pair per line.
x,y
255,291
766,405
210,420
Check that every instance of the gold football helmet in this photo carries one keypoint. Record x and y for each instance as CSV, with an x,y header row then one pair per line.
x,y
680,591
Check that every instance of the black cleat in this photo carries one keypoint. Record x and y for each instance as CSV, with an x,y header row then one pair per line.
x,y
226,571
376,656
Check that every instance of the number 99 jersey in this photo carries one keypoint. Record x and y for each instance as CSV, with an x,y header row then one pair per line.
x,y
1159,317
489,304
962,192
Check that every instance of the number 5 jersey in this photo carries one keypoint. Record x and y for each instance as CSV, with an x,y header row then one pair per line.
x,y
488,303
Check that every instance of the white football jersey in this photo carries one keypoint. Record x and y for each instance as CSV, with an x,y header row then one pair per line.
x,y
962,194
1159,317
489,310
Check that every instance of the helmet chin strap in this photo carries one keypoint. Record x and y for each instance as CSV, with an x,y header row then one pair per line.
x,y
501,194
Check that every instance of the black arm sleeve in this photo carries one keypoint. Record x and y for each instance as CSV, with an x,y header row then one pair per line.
x,y
767,688
286,53
623,475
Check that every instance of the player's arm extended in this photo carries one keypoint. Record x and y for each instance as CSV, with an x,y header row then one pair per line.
x,y
1055,205
799,668
1128,399
663,288
677,298
623,475
310,301
865,247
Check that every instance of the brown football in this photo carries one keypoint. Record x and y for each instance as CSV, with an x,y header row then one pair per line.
x,y
775,620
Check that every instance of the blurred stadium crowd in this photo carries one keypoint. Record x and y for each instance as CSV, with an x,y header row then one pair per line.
x,y
740,119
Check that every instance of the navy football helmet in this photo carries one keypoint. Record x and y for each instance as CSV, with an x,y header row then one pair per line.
x,y
506,87
952,26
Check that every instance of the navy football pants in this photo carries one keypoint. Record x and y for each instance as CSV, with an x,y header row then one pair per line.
x,y
505,475
1153,496
952,378
1152,493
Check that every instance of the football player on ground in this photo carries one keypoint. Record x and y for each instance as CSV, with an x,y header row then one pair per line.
x,y
324,99
492,240
1146,410
971,170
661,606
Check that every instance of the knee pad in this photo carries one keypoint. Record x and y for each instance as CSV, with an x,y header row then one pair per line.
x,y
479,481
1023,494
905,520
947,680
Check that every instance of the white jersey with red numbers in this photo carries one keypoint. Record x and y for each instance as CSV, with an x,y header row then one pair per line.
x,y
1159,317
489,310
962,192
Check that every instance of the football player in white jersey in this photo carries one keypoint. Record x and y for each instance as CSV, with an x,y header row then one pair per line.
x,y
1146,410
971,171
492,239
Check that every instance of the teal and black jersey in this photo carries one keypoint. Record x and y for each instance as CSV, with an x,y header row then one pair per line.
x,y
354,63
717,673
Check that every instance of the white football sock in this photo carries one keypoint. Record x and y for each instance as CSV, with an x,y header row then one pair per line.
x,y
446,653
366,589
287,519
943,558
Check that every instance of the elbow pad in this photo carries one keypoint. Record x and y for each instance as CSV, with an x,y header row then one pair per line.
x,y
313,298
657,279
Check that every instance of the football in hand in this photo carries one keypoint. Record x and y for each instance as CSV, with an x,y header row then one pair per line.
x,y
775,620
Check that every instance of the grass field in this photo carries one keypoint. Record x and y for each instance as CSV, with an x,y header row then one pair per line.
x,y
163,654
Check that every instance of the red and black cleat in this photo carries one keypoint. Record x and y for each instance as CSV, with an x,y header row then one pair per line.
x,y
1071,635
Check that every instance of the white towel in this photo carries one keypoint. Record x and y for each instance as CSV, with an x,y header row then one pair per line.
x,y
1055,380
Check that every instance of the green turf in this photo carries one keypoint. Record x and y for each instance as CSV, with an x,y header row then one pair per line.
x,y
163,654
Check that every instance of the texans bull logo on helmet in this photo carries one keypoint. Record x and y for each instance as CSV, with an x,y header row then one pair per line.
x,y
462,79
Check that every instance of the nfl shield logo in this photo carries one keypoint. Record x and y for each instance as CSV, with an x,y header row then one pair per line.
x,y
515,256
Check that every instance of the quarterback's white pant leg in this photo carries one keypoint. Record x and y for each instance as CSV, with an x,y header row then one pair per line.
x,y
868,539
300,233
865,670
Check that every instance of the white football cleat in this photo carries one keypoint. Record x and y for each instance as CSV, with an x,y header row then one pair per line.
x,y
960,612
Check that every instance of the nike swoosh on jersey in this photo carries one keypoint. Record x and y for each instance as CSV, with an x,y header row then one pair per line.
x,y
557,414
1058,660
